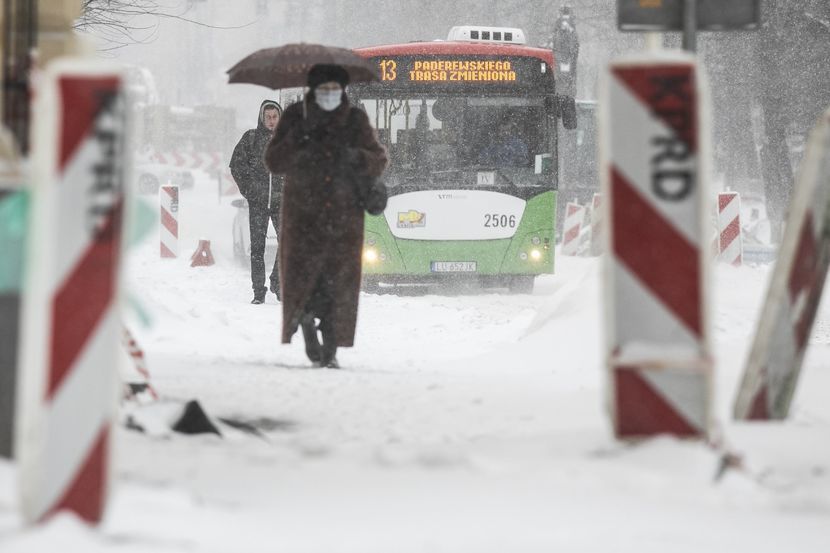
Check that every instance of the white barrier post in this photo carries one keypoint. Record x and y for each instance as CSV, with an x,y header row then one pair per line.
x,y
574,216
137,375
774,364
730,244
653,158
71,330
597,226
169,221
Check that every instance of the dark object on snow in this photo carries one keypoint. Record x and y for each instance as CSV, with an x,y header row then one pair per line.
x,y
322,217
288,66
263,191
194,420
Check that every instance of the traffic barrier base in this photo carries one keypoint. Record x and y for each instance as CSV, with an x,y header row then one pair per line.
x,y
202,257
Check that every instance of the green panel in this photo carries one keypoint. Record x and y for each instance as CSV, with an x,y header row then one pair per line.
x,y
144,220
380,238
538,221
413,257
14,207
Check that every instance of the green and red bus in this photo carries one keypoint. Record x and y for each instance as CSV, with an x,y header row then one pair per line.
x,y
471,125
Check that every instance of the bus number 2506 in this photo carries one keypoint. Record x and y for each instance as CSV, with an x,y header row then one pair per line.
x,y
496,220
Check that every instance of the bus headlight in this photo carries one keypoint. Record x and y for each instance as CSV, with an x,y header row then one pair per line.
x,y
370,255
535,240
536,255
523,256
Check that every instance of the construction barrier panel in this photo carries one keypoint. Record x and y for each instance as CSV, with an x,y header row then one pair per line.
x,y
597,226
730,244
136,375
571,231
169,221
653,166
771,373
71,329
13,210
206,161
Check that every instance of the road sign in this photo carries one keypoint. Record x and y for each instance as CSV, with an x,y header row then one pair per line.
x,y
653,161
667,15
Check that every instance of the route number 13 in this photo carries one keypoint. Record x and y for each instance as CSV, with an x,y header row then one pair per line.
x,y
389,70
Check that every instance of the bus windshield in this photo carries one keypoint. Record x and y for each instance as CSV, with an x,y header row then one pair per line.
x,y
461,142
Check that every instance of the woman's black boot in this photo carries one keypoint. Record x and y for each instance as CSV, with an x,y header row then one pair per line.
x,y
312,345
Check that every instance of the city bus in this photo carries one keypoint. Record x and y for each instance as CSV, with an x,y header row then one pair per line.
x,y
470,124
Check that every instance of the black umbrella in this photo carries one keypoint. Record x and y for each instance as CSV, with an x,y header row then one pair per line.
x,y
287,66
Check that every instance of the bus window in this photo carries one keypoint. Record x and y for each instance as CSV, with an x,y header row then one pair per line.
x,y
449,140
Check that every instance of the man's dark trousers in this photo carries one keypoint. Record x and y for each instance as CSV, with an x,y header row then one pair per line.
x,y
258,218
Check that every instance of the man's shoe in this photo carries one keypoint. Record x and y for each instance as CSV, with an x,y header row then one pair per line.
x,y
275,288
332,364
257,300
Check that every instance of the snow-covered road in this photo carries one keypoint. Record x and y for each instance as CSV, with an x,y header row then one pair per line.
x,y
470,423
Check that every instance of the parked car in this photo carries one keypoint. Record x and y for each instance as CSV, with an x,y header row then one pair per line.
x,y
242,237
149,176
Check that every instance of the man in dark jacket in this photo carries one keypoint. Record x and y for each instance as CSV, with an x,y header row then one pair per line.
x,y
325,148
262,190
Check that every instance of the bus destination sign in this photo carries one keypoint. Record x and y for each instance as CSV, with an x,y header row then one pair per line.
x,y
456,71
442,70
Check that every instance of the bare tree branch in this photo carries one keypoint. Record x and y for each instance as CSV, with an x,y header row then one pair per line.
x,y
123,22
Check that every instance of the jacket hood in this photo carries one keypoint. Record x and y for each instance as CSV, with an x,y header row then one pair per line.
x,y
260,125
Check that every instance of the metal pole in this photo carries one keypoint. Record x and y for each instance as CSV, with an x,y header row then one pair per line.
x,y
20,27
689,25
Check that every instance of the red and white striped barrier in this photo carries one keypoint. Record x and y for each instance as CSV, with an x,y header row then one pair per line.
x,y
206,161
777,353
597,226
137,378
574,216
169,221
730,244
71,329
655,278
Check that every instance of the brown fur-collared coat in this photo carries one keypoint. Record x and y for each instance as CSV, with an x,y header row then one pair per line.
x,y
321,222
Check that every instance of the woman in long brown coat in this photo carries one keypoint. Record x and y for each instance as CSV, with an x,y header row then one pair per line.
x,y
326,149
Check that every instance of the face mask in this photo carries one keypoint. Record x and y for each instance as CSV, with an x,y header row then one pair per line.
x,y
328,100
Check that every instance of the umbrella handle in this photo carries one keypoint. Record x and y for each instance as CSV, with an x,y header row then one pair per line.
x,y
305,114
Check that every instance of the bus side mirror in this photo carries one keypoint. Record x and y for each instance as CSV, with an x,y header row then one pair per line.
x,y
567,111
